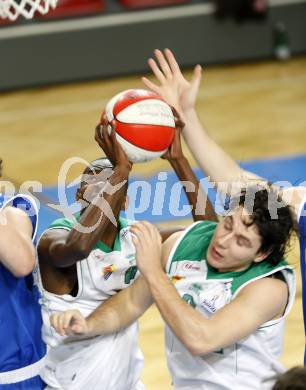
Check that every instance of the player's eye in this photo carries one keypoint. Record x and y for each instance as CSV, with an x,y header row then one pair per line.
x,y
242,242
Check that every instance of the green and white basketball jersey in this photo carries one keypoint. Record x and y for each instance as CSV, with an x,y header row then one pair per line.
x,y
111,269
250,363
112,362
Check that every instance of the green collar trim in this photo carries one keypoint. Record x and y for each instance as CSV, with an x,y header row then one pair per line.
x,y
123,223
212,273
254,271
68,224
258,268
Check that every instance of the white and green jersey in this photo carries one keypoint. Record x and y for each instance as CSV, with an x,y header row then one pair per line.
x,y
113,362
250,363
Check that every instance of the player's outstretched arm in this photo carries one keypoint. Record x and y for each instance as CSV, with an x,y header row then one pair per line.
x,y
62,248
201,206
118,312
182,95
213,160
17,252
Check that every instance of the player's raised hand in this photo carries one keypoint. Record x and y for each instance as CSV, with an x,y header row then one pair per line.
x,y
70,323
148,244
173,86
109,144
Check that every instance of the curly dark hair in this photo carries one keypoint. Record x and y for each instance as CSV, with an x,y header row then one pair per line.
x,y
273,218
294,379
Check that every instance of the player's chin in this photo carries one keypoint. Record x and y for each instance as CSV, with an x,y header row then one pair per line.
x,y
213,258
209,256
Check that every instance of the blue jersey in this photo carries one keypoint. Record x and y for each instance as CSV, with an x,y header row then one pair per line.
x,y
21,345
302,231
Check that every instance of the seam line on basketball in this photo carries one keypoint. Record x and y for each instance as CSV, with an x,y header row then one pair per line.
x,y
139,124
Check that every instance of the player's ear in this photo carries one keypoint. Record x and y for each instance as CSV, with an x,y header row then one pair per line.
x,y
262,256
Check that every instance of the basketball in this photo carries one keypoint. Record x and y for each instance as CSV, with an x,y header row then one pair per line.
x,y
144,123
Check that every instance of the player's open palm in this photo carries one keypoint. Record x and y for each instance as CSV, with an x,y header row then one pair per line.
x,y
173,87
148,244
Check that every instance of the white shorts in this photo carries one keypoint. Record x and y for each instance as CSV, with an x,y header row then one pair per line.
x,y
103,363
138,386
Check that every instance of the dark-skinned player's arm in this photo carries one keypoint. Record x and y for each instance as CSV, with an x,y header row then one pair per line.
x,y
62,248
201,206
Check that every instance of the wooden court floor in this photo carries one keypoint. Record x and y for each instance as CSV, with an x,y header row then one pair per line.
x,y
252,110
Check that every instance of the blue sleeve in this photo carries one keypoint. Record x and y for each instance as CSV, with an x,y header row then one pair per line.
x,y
302,231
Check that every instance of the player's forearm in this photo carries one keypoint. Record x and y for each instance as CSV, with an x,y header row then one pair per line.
x,y
200,205
121,310
107,320
216,164
100,216
189,326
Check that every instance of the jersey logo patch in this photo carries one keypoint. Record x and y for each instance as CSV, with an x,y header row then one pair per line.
x,y
189,299
108,270
219,351
130,274
196,287
176,278
210,303
191,266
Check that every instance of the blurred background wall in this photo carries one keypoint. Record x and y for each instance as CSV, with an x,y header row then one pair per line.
x,y
90,39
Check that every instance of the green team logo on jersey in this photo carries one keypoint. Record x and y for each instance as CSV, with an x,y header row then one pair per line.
x,y
189,299
131,259
196,287
130,274
219,351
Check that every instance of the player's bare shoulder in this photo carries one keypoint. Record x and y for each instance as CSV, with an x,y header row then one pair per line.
x,y
15,218
269,293
169,244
